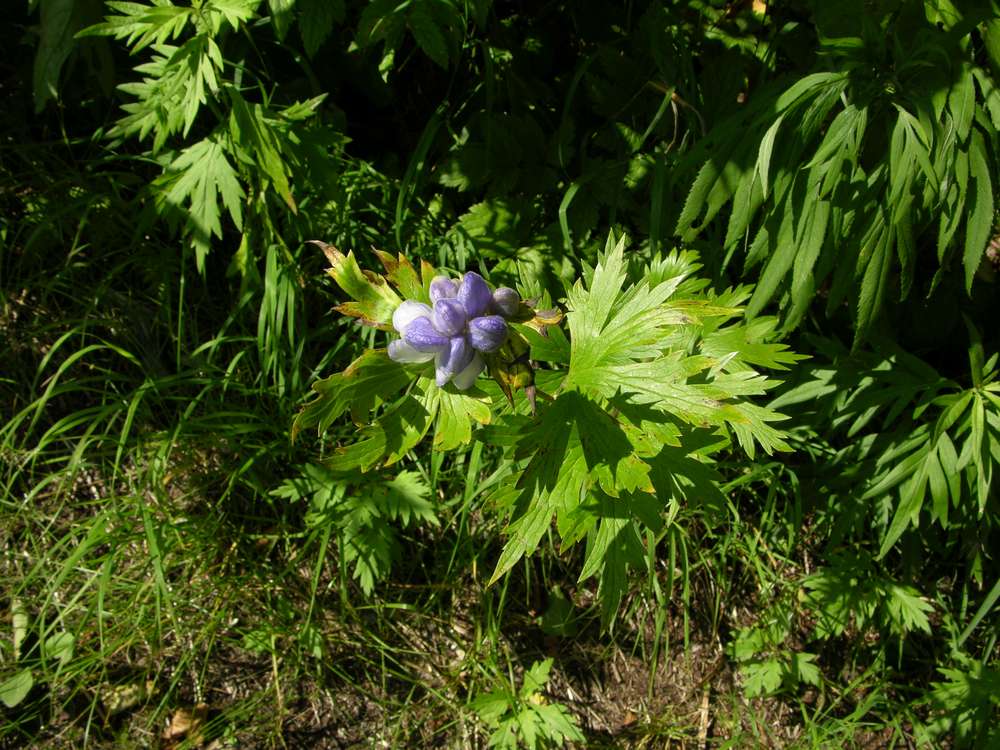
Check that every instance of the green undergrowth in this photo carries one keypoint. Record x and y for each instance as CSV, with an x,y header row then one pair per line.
x,y
191,555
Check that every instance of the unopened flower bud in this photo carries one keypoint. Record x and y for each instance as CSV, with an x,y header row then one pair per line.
x,y
475,294
443,288
487,333
506,301
449,316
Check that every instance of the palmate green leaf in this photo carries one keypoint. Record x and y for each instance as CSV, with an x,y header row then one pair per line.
x,y
399,429
558,723
572,446
175,85
907,609
316,21
602,342
624,340
256,140
193,186
405,498
370,378
371,547
762,677
555,478
456,412
737,347
430,36
373,300
802,668
391,436
612,548
491,706
535,679
141,25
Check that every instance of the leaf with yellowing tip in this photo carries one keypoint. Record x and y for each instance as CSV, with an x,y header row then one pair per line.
x,y
373,300
401,274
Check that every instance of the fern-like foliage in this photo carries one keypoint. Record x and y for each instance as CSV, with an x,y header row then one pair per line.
x,y
847,177
523,718
362,514
915,445
249,149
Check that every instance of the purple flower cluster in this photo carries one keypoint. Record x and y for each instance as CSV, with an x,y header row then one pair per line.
x,y
467,320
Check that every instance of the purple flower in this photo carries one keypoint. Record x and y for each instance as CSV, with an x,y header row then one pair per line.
x,y
456,330
402,318
407,312
424,337
506,301
449,316
400,351
443,288
457,357
487,333
463,380
475,294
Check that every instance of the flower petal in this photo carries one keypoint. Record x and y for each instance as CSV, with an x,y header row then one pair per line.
x,y
424,337
407,312
449,316
443,288
487,333
464,379
454,360
475,294
400,351
506,301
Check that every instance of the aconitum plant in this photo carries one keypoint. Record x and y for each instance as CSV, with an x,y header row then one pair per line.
x,y
601,405
466,321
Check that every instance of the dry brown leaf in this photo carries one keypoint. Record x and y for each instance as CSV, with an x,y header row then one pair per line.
x,y
186,724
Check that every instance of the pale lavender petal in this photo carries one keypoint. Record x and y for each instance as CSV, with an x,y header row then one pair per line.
x,y
464,379
454,360
400,351
475,294
407,312
487,333
441,372
424,337
506,301
443,288
449,316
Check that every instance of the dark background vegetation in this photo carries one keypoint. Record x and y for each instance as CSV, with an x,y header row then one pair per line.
x,y
177,572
